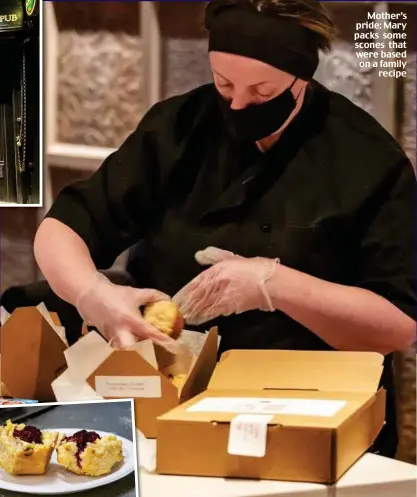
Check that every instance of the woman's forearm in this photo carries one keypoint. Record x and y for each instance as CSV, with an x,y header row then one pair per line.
x,y
64,259
347,318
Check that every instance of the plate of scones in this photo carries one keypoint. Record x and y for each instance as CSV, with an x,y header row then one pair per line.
x,y
61,461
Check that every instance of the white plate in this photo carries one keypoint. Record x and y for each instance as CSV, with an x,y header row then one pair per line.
x,y
58,480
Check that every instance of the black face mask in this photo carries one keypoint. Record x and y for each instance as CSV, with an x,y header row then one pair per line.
x,y
259,121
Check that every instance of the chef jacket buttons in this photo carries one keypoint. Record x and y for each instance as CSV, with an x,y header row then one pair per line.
x,y
266,228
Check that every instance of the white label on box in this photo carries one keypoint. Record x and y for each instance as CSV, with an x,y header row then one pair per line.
x,y
128,386
254,405
247,435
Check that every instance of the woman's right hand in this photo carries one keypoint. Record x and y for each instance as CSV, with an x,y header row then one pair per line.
x,y
114,311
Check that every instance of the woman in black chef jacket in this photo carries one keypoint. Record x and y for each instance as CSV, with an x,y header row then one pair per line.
x,y
266,204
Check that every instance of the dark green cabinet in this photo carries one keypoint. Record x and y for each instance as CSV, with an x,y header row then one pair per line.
x,y
19,101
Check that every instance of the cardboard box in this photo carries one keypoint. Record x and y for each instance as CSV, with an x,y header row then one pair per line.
x,y
32,353
277,415
97,371
371,476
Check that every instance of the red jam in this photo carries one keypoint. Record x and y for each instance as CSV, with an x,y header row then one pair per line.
x,y
82,438
29,434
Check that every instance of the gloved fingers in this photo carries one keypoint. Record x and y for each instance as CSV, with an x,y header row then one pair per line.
x,y
190,301
213,255
126,335
169,344
143,296
203,304
123,339
219,307
181,298
144,330
208,313
195,291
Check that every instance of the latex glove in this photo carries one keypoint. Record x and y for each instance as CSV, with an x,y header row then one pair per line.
x,y
233,285
114,311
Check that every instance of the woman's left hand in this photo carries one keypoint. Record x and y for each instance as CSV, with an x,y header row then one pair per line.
x,y
232,285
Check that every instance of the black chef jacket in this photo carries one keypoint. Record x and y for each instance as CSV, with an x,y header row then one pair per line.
x,y
332,198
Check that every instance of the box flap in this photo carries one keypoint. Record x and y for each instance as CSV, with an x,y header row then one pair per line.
x,y
298,370
3,390
4,316
70,388
87,354
20,344
194,340
125,374
175,364
53,320
51,363
202,370
146,350
47,315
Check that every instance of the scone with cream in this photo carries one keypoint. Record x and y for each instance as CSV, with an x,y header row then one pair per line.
x,y
86,453
166,317
25,450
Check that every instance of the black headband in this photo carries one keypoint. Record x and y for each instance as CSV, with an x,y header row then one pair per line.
x,y
277,41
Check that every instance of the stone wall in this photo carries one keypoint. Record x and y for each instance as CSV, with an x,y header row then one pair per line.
x,y
100,77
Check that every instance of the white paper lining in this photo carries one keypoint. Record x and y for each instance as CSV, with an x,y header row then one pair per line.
x,y
4,315
59,330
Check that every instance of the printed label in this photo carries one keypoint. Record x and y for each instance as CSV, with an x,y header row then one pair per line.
x,y
11,16
300,407
128,386
247,435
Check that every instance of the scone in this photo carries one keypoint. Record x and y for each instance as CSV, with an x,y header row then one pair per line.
x,y
86,453
166,317
25,450
178,380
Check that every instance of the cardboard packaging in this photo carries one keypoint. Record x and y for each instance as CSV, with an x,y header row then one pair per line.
x,y
97,371
32,353
277,415
371,476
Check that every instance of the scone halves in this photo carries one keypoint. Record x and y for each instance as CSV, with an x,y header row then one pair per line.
x,y
86,453
166,317
25,450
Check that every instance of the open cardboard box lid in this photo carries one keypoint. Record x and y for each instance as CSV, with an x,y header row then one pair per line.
x,y
32,337
327,371
262,406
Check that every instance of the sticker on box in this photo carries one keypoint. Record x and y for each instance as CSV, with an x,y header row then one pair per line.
x,y
254,405
247,435
129,386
